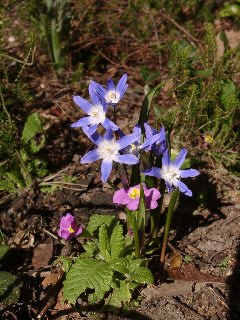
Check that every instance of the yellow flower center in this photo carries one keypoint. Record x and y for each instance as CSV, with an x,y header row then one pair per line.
x,y
112,95
134,194
208,138
70,229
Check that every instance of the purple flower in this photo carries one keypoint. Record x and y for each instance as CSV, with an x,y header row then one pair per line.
x,y
155,140
108,149
130,197
111,95
133,148
171,172
96,114
68,227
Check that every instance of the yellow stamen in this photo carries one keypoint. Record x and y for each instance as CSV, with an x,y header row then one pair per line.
x,y
135,193
70,229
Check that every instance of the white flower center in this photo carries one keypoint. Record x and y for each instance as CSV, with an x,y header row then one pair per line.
x,y
97,114
170,174
112,96
108,149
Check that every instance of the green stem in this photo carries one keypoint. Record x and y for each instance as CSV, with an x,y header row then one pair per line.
x,y
129,219
171,209
136,236
156,213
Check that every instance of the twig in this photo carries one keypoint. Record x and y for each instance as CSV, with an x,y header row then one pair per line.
x,y
190,37
187,308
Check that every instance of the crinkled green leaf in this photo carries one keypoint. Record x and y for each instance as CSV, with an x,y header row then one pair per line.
x,y
104,243
91,249
120,265
9,288
96,221
117,241
84,274
120,296
135,264
142,275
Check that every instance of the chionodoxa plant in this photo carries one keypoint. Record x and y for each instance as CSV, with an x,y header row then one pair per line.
x,y
113,263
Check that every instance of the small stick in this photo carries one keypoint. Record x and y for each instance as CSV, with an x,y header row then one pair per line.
x,y
187,308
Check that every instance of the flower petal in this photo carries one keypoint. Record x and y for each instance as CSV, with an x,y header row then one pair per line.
x,y
133,204
166,161
85,121
122,86
90,156
82,103
121,197
127,140
94,87
183,188
106,169
180,158
189,173
110,85
92,129
95,137
154,172
126,158
108,134
108,124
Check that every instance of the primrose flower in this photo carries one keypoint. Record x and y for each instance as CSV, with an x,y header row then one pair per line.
x,y
108,149
68,227
111,95
96,114
155,140
171,172
130,197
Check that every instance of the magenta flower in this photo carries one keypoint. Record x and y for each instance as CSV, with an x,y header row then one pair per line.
x,y
68,227
130,197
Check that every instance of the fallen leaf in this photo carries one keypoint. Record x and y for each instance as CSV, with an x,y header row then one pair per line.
x,y
42,254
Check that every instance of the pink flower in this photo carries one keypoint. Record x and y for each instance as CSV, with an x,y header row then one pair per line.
x,y
130,197
68,227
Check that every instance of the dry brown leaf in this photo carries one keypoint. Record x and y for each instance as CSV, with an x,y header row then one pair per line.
x,y
42,254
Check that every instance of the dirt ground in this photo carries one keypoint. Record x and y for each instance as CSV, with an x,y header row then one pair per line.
x,y
202,273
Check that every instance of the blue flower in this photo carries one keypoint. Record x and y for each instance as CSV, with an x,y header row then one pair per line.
x,y
171,172
111,95
96,114
108,149
133,148
155,141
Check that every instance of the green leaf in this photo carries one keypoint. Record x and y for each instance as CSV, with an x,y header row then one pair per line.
x,y
120,296
91,249
145,108
142,275
119,265
9,288
104,244
87,274
117,241
33,125
134,264
96,221
3,250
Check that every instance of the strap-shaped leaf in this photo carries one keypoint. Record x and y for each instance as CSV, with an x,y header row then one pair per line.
x,y
97,220
3,250
104,244
117,241
142,275
87,273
